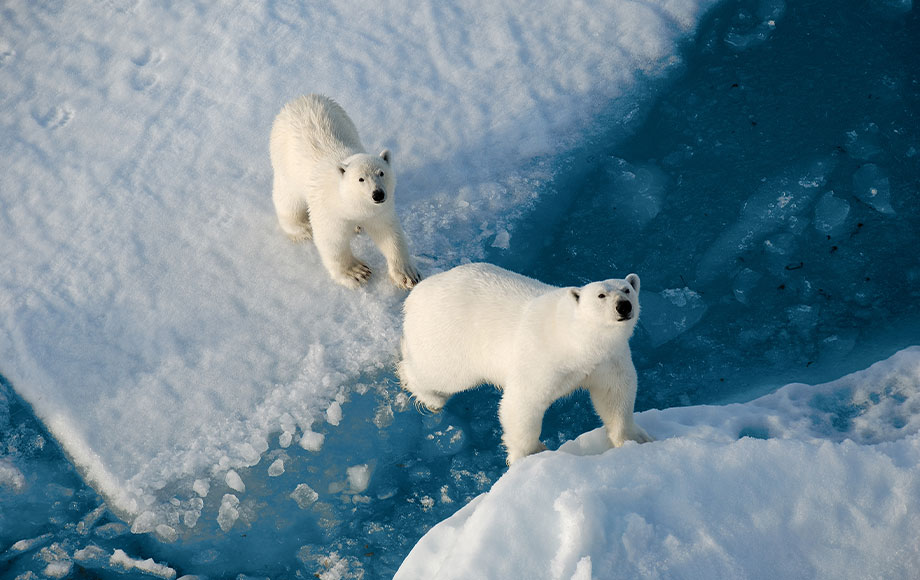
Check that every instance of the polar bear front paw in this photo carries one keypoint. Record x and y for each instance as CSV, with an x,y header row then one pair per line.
x,y
355,275
406,278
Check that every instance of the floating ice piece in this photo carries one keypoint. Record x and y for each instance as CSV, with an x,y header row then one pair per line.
x,y
447,441
670,313
334,413
276,468
29,544
234,481
502,239
776,207
745,283
229,511
870,184
10,477
830,213
304,495
125,563
359,476
144,523
58,562
637,191
312,441
201,487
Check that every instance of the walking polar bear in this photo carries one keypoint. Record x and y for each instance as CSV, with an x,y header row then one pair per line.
x,y
327,188
478,324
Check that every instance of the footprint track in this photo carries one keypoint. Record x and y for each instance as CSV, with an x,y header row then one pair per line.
x,y
54,117
142,78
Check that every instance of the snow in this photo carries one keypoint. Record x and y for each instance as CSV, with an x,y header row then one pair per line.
x,y
823,480
237,411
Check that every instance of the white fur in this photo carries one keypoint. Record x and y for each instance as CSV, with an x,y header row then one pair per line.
x,y
324,186
478,324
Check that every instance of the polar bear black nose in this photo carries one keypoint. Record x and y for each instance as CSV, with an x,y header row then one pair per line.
x,y
378,196
624,308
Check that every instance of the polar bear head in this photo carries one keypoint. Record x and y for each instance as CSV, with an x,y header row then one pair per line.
x,y
612,304
367,182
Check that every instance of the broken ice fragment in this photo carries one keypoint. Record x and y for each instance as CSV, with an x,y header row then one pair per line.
x,y
235,482
229,512
830,213
870,184
276,468
670,313
304,495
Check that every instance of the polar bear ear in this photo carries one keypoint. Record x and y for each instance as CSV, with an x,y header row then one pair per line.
x,y
633,280
386,155
575,294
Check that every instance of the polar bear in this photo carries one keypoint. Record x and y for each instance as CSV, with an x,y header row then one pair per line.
x,y
479,323
327,188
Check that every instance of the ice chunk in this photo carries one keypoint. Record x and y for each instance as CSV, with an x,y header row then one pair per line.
x,y
144,523
112,530
58,563
166,533
312,441
359,477
91,554
229,511
447,441
234,481
304,495
870,184
670,313
776,208
745,282
201,487
10,477
334,413
502,239
830,214
276,468
637,192
123,562
30,544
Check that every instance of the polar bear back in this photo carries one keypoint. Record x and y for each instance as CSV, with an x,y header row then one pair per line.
x,y
462,323
314,129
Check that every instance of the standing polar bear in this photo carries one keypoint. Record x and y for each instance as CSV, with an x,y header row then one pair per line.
x,y
478,324
327,188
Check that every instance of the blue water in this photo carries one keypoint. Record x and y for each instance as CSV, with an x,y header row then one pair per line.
x,y
768,199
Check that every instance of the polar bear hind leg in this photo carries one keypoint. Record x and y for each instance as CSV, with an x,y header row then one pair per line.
x,y
431,399
293,215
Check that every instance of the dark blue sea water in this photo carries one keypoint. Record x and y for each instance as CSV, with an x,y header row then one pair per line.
x,y
768,199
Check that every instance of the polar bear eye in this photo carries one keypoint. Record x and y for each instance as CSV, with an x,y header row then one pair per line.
x,y
625,290
601,295
380,174
361,179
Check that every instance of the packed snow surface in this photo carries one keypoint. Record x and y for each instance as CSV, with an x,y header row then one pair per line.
x,y
807,482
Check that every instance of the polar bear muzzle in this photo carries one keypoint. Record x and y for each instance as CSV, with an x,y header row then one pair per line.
x,y
379,196
624,309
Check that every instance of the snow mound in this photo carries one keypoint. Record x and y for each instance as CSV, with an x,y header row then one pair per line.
x,y
806,482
